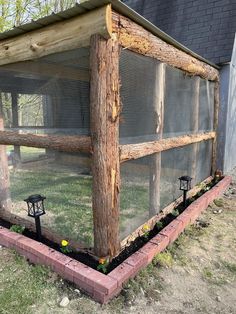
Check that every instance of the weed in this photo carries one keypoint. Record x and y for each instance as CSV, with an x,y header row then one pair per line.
x,y
159,225
17,229
175,212
163,259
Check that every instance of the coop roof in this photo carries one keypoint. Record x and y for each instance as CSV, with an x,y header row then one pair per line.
x,y
89,5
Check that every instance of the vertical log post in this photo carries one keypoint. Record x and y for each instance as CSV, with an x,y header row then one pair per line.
x,y
215,125
104,119
15,124
5,200
155,164
195,123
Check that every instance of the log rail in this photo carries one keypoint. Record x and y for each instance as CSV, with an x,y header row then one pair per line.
x,y
73,143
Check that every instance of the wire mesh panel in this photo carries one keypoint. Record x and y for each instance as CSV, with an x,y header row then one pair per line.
x,y
47,95
66,182
206,106
179,104
204,160
174,164
139,120
134,195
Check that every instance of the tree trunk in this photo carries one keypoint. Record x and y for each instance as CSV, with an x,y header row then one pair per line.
x,y
105,108
155,164
5,200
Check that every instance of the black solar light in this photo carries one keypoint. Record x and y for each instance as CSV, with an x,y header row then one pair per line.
x,y
36,209
185,186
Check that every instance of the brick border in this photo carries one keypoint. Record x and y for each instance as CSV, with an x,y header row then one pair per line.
x,y
102,287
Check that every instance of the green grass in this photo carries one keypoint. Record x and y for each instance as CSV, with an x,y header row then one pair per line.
x,y
69,200
24,285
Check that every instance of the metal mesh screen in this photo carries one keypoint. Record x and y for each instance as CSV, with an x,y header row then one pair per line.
x,y
179,106
66,182
47,95
50,95
174,164
188,108
206,106
134,195
138,121
204,160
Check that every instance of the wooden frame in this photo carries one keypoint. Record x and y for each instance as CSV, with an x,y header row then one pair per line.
x,y
104,119
71,34
106,32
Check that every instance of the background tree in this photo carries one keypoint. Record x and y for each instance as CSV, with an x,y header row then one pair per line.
x,y
17,12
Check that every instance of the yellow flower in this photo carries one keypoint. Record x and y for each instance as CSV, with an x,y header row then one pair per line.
x,y
64,243
146,228
102,261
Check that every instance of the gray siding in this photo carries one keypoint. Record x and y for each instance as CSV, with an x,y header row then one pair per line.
x,y
230,143
205,26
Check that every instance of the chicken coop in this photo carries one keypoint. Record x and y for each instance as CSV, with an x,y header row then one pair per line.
x,y
101,113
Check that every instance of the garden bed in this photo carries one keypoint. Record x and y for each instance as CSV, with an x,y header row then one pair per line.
x,y
82,272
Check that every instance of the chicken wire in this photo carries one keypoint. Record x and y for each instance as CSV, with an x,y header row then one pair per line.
x,y
138,122
179,103
64,179
188,109
49,95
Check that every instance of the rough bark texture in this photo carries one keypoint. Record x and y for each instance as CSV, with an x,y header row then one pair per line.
x,y
134,37
215,125
15,122
61,36
105,108
195,122
155,163
57,142
135,151
151,222
5,200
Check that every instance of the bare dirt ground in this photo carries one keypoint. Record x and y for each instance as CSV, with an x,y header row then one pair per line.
x,y
197,274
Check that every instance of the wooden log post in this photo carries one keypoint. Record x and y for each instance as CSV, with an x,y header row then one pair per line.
x,y
15,124
5,200
195,123
104,115
155,164
215,125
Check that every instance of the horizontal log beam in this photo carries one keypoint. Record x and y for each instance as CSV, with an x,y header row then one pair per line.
x,y
135,151
70,143
134,37
61,36
48,234
167,210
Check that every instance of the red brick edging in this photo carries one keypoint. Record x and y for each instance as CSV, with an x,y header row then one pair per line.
x,y
102,287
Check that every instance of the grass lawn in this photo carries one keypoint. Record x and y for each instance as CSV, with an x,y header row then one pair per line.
x,y
69,197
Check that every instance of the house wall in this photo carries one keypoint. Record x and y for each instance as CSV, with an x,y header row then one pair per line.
x,y
221,132
230,138
206,27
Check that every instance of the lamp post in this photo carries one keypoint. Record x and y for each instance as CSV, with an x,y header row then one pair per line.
x,y
36,209
185,186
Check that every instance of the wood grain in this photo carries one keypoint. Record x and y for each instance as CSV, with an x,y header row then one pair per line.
x,y
135,151
134,37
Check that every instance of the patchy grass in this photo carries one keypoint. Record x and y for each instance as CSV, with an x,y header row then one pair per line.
x,y
69,200
163,259
23,286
